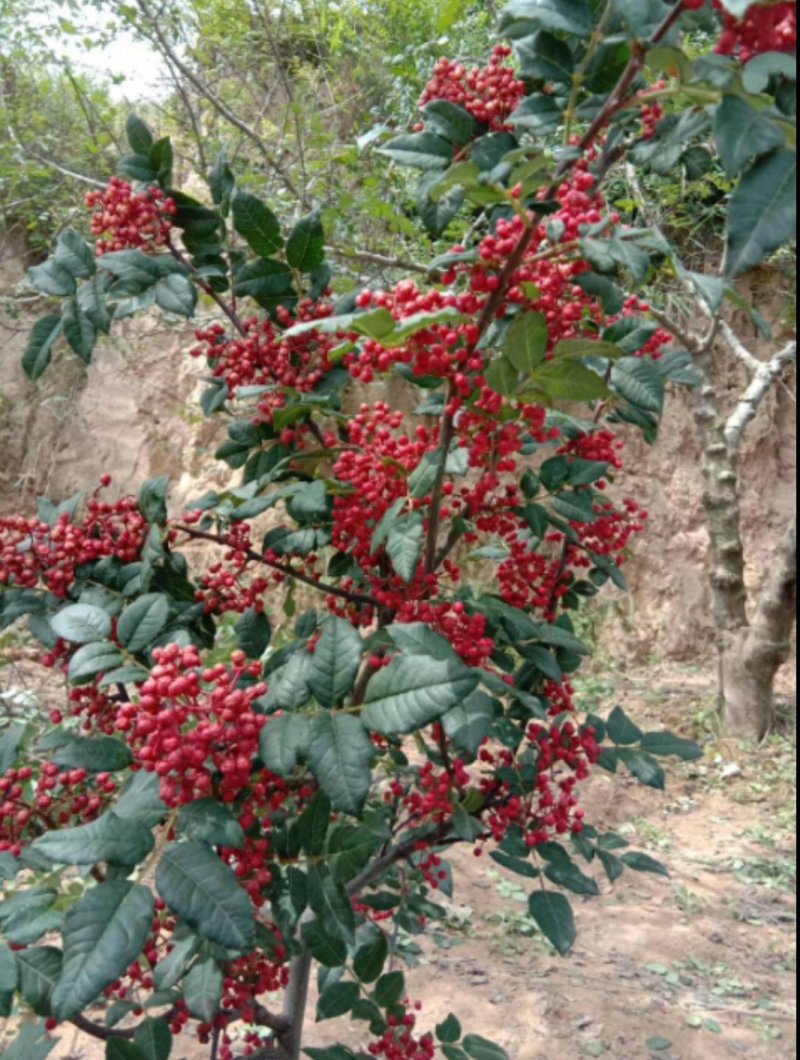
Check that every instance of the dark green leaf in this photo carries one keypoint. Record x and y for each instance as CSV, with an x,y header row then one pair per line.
x,y
553,915
543,57
79,330
38,352
539,113
169,971
639,382
479,1048
664,743
202,989
423,150
743,133
337,1000
390,989
621,730
340,755
139,136
371,957
209,821
644,863
328,950
470,722
449,1031
573,17
335,662
332,905
103,933
253,633
762,215
142,621
645,768
612,865
256,223
81,624
154,1038
404,544
569,876
567,380
93,659
153,500
502,377
97,754
305,248
39,972
451,121
205,893
110,838
268,282
413,691
526,341
284,741
176,294
52,278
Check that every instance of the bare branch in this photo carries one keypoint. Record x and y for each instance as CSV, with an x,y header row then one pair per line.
x,y
380,259
157,36
766,375
739,349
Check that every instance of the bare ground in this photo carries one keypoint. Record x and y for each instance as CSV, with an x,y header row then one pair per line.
x,y
701,966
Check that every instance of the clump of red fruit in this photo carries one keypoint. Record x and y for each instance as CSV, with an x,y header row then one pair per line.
x,y
125,219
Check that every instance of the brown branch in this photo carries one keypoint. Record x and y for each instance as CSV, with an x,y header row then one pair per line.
x,y
285,569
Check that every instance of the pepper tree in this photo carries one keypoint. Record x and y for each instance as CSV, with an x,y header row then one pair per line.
x,y
204,823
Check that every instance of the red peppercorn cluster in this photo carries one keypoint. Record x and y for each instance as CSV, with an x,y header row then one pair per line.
x,y
48,797
652,114
399,1041
491,94
195,728
263,357
125,219
764,28
33,552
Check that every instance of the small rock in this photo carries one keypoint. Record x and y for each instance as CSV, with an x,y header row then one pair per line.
x,y
497,999
479,980
716,938
731,771
584,1022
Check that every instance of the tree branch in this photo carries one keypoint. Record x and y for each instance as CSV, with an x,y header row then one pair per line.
x,y
748,359
156,34
766,374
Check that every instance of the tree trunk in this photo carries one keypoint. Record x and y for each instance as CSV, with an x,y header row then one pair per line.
x,y
752,656
294,1009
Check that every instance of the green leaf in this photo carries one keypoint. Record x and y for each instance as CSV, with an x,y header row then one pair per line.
x,y
539,113
142,621
9,973
569,876
256,223
645,768
526,341
81,624
305,248
103,933
417,638
331,952
404,546
110,838
283,742
760,70
515,865
268,282
205,893
449,1031
643,863
97,754
39,972
202,989
451,121
52,278
335,662
209,821
169,971
79,330
337,1000
639,382
221,180
502,377
176,294
568,380
39,350
743,133
423,150
139,136
469,723
413,691
92,302
340,755
140,800
33,1042
91,660
153,500
762,214
612,865
573,17
75,255
553,915
370,958
390,989
479,1048
253,633
621,730
665,744
154,1038
574,507
332,905
658,1044
288,685
160,157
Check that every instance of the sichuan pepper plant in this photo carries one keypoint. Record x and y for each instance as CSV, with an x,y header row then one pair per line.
x,y
204,824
